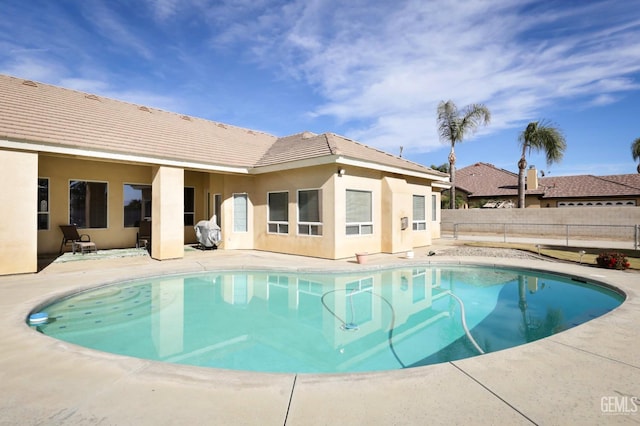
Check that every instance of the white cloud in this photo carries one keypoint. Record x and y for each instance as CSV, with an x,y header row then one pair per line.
x,y
33,68
380,67
85,85
164,9
383,67
117,32
146,98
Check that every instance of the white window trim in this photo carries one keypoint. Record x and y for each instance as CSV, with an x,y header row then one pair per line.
x,y
47,211
309,225
434,208
217,212
132,184
280,224
361,224
193,206
416,223
233,222
69,199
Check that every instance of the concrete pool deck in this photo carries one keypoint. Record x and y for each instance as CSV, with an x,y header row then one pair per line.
x,y
589,374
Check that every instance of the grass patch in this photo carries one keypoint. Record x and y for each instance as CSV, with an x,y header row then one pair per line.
x,y
567,254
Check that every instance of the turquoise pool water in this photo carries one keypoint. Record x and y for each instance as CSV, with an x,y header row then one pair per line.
x,y
314,323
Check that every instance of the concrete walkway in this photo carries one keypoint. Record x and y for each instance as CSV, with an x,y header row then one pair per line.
x,y
587,375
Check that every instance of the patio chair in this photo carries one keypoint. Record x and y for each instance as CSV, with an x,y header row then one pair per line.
x,y
143,239
79,242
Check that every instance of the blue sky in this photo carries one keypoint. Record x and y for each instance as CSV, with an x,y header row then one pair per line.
x,y
371,70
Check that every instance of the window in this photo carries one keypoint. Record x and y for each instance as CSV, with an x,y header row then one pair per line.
x,y
137,204
309,216
217,207
189,206
419,214
43,203
88,204
359,212
240,223
278,214
434,204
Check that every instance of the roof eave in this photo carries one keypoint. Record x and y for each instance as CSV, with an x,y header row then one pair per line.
x,y
391,169
120,157
347,161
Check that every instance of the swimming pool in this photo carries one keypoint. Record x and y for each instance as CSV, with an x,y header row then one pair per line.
x,y
309,322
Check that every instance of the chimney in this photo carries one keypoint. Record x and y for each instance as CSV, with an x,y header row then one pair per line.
x,y
532,178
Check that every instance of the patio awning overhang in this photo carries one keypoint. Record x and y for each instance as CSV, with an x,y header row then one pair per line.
x,y
117,157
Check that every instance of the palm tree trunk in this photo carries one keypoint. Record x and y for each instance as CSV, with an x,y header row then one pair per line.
x,y
452,179
522,165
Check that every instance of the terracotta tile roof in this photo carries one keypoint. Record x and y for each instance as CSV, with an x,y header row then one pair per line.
x,y
486,181
41,113
300,146
353,149
584,186
309,145
630,180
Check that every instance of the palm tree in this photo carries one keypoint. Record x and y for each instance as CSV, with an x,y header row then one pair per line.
x,y
635,151
539,136
453,126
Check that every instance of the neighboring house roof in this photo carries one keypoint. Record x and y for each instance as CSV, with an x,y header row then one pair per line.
x,y
586,186
483,180
59,118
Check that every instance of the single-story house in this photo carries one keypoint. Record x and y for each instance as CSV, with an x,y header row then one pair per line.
x,y
484,185
68,157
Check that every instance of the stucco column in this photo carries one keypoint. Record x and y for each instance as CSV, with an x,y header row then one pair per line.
x,y
396,204
18,214
167,213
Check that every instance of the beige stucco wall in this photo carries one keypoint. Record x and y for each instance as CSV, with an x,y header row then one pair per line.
x,y
397,203
167,229
61,171
234,184
318,177
18,212
424,238
363,180
391,200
